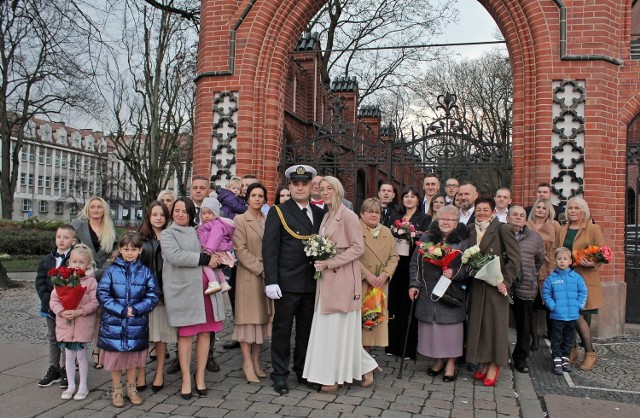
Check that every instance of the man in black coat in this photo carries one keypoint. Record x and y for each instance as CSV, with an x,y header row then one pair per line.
x,y
387,196
289,274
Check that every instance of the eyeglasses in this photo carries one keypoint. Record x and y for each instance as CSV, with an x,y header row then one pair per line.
x,y
447,220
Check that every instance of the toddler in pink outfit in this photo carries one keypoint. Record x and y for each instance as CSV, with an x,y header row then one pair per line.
x,y
215,234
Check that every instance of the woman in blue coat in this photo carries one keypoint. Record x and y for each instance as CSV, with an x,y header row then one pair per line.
x,y
128,291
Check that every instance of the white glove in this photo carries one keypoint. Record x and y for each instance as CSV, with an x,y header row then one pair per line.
x,y
273,291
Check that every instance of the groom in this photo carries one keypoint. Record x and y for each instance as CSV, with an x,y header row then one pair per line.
x,y
289,274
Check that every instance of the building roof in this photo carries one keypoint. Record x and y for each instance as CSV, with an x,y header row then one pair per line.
x,y
371,111
344,84
308,42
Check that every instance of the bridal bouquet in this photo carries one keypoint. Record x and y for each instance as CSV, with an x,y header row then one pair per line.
x,y
319,248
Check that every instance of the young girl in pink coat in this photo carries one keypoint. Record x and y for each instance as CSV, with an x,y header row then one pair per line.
x,y
74,328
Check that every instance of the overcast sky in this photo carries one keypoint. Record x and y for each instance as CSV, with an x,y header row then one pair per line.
x,y
474,25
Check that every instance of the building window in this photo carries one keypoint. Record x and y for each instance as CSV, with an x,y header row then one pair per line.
x,y
73,210
47,182
23,156
63,183
26,205
47,158
72,163
59,208
40,181
41,156
56,161
31,180
56,183
64,161
23,179
44,206
32,156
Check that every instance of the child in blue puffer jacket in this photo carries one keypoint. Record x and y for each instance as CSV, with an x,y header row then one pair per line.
x,y
127,291
565,294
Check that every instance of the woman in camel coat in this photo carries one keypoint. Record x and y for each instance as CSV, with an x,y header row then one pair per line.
x,y
377,265
254,310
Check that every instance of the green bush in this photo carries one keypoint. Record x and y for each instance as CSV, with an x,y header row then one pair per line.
x,y
30,237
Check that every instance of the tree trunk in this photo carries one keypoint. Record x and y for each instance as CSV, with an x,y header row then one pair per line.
x,y
5,281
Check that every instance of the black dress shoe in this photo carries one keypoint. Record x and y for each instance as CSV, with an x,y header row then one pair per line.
x,y
448,379
212,366
281,387
201,392
186,396
158,388
522,366
432,372
231,345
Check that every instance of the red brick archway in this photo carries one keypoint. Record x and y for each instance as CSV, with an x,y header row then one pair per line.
x,y
245,48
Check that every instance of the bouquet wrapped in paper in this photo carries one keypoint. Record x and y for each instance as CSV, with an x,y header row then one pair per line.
x,y
66,281
373,305
440,254
597,254
319,247
484,267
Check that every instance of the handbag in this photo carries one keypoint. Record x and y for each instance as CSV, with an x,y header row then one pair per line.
x,y
449,292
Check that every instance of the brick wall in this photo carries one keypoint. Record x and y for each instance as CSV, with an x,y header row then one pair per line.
x,y
270,30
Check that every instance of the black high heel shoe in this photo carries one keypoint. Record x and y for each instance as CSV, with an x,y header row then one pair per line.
x,y
433,373
201,392
157,388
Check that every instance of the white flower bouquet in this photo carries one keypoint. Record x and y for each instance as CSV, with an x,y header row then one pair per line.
x,y
319,248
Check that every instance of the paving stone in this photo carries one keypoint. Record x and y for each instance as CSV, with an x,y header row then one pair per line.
x,y
97,414
438,403
395,414
131,413
436,412
211,412
367,411
239,396
164,408
414,409
401,399
240,414
208,402
349,400
376,403
312,403
186,410
340,407
487,396
462,413
479,413
264,407
234,405
261,397
285,400
294,411
324,413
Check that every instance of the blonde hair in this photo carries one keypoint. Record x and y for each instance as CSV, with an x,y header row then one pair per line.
x,y
235,181
582,205
107,233
338,193
369,204
551,212
561,250
164,192
82,249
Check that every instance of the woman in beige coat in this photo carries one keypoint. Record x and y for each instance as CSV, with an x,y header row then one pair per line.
x,y
578,234
253,309
335,354
377,265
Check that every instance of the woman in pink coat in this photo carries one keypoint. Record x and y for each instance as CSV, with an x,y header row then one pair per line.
x,y
335,354
74,327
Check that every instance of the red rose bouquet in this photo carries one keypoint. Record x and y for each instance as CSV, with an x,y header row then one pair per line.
x,y
403,229
67,283
440,254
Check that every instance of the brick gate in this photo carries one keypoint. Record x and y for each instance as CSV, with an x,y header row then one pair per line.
x,y
576,89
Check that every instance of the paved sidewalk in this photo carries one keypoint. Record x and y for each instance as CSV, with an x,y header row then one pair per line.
x,y
23,361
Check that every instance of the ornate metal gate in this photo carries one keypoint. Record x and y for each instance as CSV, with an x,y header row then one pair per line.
x,y
632,230
445,146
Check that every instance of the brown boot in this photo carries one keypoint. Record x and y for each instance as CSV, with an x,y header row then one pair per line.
x,y
117,398
589,361
132,394
573,355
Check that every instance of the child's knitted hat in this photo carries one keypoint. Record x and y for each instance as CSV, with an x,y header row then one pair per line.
x,y
212,204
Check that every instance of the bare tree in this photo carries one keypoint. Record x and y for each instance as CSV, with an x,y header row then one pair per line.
x,y
368,40
45,56
152,97
484,90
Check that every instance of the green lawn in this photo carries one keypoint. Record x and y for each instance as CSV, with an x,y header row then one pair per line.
x,y
22,263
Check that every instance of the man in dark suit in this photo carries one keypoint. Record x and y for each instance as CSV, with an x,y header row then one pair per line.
x,y
544,192
289,274
387,197
468,195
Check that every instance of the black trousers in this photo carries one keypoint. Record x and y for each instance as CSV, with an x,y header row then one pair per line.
x,y
562,337
291,305
522,313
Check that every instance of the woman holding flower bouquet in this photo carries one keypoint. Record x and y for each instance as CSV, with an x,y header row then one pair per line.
x,y
440,324
377,265
335,354
578,234
488,325
399,306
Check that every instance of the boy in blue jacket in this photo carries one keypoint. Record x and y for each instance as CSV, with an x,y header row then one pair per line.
x,y
565,294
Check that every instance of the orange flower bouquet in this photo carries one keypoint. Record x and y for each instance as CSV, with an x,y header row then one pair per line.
x,y
373,305
598,254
